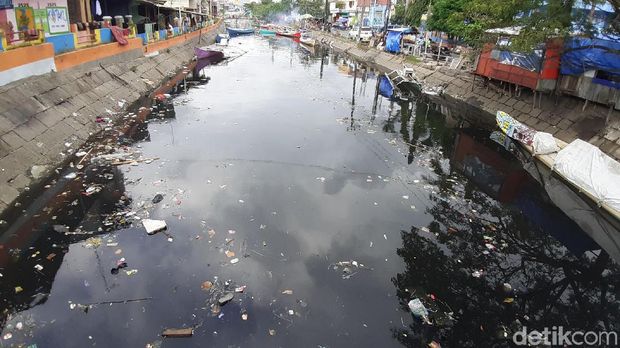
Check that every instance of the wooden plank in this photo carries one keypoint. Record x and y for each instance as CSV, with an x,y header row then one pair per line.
x,y
175,333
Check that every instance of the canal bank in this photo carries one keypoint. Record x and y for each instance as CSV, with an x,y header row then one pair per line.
x,y
565,117
321,204
45,119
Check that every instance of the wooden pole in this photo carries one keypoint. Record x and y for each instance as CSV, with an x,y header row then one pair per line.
x,y
359,29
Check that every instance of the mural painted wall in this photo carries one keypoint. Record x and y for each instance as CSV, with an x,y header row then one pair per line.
x,y
7,18
29,15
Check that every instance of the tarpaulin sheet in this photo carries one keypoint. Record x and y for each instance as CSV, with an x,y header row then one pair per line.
x,y
583,54
586,166
392,41
385,87
531,62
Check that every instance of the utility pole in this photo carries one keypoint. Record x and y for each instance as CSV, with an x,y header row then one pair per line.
x,y
361,22
326,14
387,16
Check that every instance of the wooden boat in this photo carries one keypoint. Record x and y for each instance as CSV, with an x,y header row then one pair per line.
x,y
222,39
307,40
239,31
267,30
210,55
292,34
524,135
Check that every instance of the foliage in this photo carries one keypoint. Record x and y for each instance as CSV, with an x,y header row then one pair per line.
x,y
539,20
415,10
269,10
340,5
399,13
313,7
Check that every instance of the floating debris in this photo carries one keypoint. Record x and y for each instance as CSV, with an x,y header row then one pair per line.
x,y
153,226
418,309
176,333
206,285
226,298
158,198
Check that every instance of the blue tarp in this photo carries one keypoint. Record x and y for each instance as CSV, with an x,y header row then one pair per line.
x,y
392,41
531,61
583,54
385,87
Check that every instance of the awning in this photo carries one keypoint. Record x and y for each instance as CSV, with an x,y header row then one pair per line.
x,y
160,4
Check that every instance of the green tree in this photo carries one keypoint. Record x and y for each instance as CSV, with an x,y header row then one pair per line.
x,y
415,10
313,7
538,20
399,13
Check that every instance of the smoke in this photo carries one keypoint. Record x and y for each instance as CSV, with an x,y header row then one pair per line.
x,y
283,18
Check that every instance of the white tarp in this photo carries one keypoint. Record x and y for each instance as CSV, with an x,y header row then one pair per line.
x,y
591,170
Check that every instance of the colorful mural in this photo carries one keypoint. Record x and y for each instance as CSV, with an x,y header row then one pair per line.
x,y
25,18
58,20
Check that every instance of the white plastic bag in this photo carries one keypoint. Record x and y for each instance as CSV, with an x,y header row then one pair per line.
x,y
544,144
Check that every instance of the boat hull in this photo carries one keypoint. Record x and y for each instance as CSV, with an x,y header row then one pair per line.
x,y
266,32
294,35
239,31
208,55
308,42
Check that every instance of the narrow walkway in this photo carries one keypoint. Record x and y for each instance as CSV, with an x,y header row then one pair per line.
x,y
563,116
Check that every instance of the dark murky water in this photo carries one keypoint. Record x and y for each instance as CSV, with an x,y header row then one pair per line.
x,y
275,157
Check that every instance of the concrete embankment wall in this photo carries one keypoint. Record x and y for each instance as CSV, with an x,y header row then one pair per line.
x,y
42,117
564,117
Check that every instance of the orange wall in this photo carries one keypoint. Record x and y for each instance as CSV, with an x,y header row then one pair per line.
x,y
24,55
85,55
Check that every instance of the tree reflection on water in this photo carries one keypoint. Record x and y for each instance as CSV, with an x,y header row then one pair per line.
x,y
551,284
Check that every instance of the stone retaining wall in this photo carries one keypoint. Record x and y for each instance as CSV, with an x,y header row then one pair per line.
x,y
41,117
562,116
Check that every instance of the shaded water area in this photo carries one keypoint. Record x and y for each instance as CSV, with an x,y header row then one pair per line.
x,y
287,172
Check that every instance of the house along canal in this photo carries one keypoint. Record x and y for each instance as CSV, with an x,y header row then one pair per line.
x,y
305,207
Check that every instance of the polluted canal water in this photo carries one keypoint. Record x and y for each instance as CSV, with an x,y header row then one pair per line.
x,y
292,201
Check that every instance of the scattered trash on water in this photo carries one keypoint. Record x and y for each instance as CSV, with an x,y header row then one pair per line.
x,y
287,292
476,274
235,260
153,226
272,332
349,268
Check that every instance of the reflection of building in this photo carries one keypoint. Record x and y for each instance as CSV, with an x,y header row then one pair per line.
x,y
35,238
502,177
496,176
